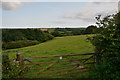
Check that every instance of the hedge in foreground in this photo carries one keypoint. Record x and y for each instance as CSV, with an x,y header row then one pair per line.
x,y
107,47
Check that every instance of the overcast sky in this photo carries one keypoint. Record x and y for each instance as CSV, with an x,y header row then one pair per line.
x,y
54,14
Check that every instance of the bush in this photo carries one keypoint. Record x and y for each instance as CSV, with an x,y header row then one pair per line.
x,y
104,71
19,44
11,69
107,47
56,34
49,36
90,29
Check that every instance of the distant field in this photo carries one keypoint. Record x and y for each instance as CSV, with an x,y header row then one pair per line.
x,y
57,46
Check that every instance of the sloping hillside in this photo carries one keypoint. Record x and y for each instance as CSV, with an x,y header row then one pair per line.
x,y
59,45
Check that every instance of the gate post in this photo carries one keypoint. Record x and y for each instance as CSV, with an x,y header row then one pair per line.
x,y
19,58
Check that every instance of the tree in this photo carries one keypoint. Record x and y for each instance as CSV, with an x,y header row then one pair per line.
x,y
61,29
12,35
56,33
90,29
14,38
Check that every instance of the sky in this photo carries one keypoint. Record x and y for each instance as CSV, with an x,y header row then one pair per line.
x,y
54,14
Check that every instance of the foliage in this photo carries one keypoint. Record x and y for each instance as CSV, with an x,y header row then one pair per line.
x,y
107,47
75,29
60,29
56,33
49,37
16,38
18,44
11,35
104,71
11,69
70,31
90,29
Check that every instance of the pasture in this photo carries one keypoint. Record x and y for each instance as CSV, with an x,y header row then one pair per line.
x,y
57,46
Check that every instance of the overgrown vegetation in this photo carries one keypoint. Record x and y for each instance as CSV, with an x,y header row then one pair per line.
x,y
19,44
12,69
107,47
17,38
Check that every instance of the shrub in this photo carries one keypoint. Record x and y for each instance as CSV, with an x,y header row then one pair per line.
x,y
49,36
107,47
11,69
56,33
19,44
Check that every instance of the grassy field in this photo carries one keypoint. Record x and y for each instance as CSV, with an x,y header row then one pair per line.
x,y
57,46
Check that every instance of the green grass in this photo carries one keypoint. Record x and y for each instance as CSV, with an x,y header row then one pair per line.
x,y
57,46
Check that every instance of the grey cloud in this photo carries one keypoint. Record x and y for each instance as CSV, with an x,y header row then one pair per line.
x,y
86,15
105,13
11,5
89,14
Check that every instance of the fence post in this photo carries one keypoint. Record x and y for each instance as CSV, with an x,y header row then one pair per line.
x,y
19,58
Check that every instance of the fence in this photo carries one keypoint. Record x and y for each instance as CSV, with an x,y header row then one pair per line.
x,y
61,65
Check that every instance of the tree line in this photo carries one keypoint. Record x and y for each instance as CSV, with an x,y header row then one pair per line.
x,y
58,32
16,38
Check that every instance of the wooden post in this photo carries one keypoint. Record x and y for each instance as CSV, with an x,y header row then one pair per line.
x,y
19,58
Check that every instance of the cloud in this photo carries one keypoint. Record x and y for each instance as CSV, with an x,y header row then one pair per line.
x,y
86,15
92,10
11,5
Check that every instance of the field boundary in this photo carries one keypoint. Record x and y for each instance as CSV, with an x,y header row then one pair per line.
x,y
74,65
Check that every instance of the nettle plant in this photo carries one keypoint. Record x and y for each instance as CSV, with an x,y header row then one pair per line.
x,y
12,69
107,47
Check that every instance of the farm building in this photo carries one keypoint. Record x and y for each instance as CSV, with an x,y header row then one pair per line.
x,y
44,29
